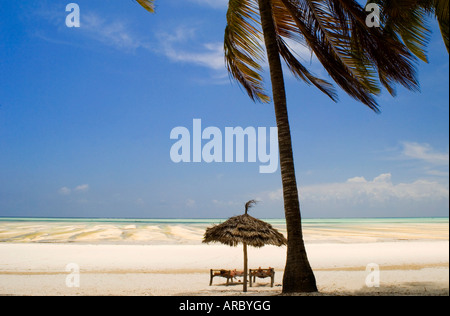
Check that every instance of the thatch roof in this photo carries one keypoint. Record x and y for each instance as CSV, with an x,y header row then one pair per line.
x,y
244,229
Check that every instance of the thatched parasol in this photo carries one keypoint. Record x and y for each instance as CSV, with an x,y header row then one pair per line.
x,y
247,230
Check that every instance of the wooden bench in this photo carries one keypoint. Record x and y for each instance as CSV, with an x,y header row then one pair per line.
x,y
262,273
228,274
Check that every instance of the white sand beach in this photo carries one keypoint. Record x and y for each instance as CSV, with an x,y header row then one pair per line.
x,y
406,268
166,257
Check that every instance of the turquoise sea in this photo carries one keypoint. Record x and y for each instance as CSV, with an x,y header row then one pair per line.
x,y
190,231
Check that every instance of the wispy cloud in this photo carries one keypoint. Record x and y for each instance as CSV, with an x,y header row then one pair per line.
x,y
64,191
432,162
437,173
218,4
174,46
180,45
112,33
82,188
211,57
424,152
78,188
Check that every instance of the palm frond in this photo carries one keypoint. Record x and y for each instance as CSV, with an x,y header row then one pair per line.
x,y
301,72
442,14
148,5
243,47
378,47
408,19
286,27
356,57
327,38
442,10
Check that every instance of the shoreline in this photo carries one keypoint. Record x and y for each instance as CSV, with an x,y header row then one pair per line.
x,y
190,232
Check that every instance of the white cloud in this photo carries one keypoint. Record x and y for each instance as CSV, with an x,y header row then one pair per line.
x,y
381,189
82,188
173,45
425,195
437,173
112,33
178,46
425,153
219,4
210,55
79,188
64,191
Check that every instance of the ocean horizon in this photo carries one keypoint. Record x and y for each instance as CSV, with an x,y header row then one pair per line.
x,y
201,219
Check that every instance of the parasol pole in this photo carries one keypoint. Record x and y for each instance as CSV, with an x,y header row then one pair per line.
x,y
245,267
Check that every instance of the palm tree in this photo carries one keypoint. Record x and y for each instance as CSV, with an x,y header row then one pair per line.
x,y
356,57
408,21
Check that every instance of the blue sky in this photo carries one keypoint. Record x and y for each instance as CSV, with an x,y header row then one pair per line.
x,y
86,115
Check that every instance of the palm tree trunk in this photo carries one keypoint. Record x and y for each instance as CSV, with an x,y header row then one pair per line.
x,y
298,275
